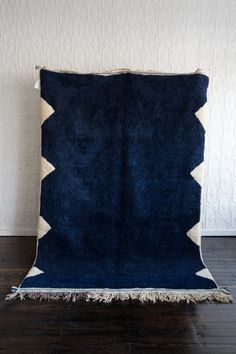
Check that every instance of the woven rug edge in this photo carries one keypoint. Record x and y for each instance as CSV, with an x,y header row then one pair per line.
x,y
220,295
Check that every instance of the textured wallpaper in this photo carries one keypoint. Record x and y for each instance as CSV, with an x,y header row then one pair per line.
x,y
97,35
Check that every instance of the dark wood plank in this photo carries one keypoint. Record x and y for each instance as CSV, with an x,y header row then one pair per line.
x,y
56,327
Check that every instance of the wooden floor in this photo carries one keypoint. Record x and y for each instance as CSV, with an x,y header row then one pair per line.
x,y
56,327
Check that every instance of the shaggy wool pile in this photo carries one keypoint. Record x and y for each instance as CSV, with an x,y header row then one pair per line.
x,y
121,177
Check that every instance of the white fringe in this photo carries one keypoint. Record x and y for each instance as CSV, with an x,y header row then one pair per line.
x,y
107,296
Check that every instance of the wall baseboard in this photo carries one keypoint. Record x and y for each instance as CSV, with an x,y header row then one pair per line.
x,y
32,232
18,232
218,232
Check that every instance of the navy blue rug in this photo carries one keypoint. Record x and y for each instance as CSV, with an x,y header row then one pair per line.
x,y
121,170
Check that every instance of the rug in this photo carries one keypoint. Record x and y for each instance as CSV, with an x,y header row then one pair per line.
x,y
121,177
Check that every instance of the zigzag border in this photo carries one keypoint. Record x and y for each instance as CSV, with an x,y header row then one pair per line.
x,y
45,169
198,175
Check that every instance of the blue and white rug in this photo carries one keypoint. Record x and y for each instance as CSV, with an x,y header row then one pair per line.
x,y
121,170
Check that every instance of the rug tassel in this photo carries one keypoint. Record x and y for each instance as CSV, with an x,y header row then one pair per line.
x,y
106,296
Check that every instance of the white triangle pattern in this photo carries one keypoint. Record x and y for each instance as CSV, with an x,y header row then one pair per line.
x,y
195,233
33,272
198,173
201,115
43,227
204,273
46,110
46,167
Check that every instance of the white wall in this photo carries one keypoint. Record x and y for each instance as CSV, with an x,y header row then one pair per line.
x,y
93,35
